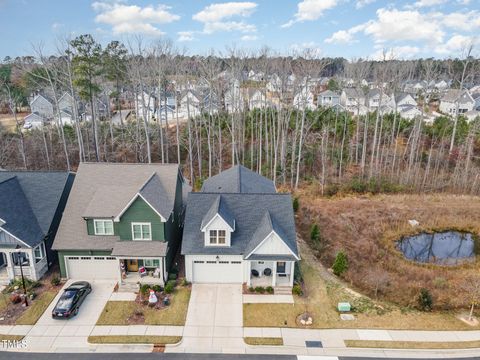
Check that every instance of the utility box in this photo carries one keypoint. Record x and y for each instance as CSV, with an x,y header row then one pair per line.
x,y
344,306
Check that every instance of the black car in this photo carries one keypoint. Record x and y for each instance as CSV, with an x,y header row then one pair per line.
x,y
71,299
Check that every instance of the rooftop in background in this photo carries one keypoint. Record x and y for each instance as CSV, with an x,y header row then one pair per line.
x,y
239,179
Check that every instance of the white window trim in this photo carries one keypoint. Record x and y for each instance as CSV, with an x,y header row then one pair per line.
x,y
40,247
151,266
141,224
216,243
95,221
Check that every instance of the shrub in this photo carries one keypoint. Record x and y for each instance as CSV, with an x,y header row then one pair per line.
x,y
144,289
157,288
340,265
55,281
315,233
297,273
260,289
440,282
169,287
295,204
29,284
297,290
185,282
172,276
251,289
331,190
425,300
269,289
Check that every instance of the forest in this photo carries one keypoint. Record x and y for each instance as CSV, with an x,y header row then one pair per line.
x,y
336,150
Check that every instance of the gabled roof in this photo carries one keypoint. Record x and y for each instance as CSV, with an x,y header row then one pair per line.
x,y
218,208
104,190
266,227
29,201
238,179
248,210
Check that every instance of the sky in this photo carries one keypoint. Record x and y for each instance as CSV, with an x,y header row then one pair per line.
x,y
336,28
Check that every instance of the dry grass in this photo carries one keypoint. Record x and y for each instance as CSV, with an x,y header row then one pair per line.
x,y
8,121
11,337
263,341
134,339
119,312
37,308
412,344
321,298
366,228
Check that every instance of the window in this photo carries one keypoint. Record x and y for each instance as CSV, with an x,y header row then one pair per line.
x,y
103,227
221,236
218,237
152,263
141,231
213,236
39,252
20,258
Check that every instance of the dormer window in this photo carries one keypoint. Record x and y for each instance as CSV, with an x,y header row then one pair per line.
x,y
218,237
103,227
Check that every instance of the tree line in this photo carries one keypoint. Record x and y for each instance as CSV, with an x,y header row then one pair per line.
x,y
289,144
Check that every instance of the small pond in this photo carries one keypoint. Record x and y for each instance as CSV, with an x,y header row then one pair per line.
x,y
442,248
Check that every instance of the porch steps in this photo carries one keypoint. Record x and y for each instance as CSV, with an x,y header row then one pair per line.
x,y
282,290
128,287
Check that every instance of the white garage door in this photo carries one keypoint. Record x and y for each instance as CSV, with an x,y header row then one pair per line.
x,y
217,272
92,267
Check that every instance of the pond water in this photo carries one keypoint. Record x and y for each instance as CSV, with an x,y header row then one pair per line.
x,y
443,248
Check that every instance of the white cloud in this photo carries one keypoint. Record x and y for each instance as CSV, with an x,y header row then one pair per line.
x,y
456,44
361,3
309,10
129,19
218,12
428,3
397,53
397,25
465,21
185,36
345,36
57,26
249,37
218,17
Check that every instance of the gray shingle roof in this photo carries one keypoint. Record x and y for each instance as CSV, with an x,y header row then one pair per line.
x,y
139,248
29,201
238,179
249,211
218,207
157,196
104,190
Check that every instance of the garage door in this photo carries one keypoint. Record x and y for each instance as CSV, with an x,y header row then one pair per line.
x,y
217,272
92,267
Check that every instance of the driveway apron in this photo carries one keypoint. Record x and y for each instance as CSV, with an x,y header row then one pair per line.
x,y
214,319
66,335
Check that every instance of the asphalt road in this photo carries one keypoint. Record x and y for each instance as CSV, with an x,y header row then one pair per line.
x,y
161,356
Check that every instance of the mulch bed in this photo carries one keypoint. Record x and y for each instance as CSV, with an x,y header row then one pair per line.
x,y
10,314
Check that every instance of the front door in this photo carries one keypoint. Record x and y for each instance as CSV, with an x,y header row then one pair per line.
x,y
280,267
132,265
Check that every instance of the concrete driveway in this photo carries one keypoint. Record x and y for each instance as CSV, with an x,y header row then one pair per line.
x,y
214,319
63,335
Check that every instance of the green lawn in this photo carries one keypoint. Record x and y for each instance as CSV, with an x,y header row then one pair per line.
x,y
37,308
320,301
118,312
134,339
412,344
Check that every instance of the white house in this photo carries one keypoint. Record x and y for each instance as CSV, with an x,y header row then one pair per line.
x,y
328,98
145,106
448,103
354,101
304,99
239,230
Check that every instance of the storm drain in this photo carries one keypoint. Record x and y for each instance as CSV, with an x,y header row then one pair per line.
x,y
313,344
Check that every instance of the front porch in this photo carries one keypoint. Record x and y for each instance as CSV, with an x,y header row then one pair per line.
x,y
270,273
142,271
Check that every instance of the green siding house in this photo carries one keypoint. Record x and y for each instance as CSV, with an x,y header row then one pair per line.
x,y
120,220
